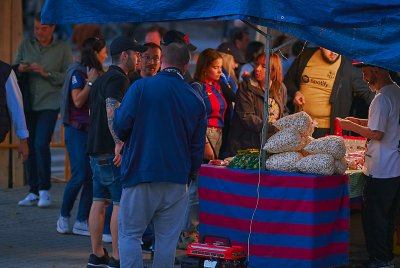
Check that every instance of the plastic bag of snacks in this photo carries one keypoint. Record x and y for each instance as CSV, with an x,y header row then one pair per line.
x,y
283,161
300,121
286,140
317,164
333,145
340,166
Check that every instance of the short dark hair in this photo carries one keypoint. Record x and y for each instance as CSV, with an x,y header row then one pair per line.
x,y
252,48
152,45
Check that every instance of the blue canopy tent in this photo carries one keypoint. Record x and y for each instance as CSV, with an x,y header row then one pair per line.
x,y
364,30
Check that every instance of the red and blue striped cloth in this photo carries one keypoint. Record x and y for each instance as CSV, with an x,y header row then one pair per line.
x,y
302,220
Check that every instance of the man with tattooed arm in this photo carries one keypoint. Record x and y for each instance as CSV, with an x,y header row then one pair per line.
x,y
105,148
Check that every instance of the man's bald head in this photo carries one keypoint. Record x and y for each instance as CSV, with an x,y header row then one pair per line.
x,y
175,55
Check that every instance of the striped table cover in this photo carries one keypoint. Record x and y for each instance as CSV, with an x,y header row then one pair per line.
x,y
302,220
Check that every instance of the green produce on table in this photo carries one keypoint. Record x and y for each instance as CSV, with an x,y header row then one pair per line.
x,y
245,159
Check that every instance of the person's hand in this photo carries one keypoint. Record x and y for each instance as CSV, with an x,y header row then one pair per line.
x,y
23,149
208,152
344,123
92,75
299,99
352,119
118,157
24,67
37,68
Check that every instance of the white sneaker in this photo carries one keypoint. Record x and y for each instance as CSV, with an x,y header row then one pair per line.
x,y
107,238
44,199
81,228
30,200
63,225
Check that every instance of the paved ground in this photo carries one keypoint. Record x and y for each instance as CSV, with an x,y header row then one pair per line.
x,y
28,236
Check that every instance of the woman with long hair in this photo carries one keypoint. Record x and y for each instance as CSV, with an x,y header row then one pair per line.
x,y
207,75
247,122
75,117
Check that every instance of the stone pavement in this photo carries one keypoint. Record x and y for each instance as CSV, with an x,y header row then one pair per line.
x,y
28,236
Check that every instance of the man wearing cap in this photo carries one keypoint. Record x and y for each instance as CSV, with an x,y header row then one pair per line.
x,y
381,193
174,36
164,131
104,147
323,84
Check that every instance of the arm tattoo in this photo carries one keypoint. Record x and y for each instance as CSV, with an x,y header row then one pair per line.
x,y
111,105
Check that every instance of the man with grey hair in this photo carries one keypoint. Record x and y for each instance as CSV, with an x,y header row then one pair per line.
x,y
164,132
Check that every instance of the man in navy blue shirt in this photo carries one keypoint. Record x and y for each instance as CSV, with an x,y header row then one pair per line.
x,y
162,122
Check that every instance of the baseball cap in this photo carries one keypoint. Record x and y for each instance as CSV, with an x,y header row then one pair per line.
x,y
229,48
174,36
124,43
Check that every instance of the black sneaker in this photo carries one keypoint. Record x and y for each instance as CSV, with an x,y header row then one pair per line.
x,y
113,263
95,262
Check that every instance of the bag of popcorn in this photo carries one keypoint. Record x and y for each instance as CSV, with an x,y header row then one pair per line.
x,y
283,161
286,140
317,164
333,145
300,121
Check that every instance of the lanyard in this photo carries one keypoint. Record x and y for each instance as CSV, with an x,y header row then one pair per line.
x,y
174,70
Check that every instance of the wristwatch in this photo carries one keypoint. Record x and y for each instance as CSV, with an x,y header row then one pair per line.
x,y
89,83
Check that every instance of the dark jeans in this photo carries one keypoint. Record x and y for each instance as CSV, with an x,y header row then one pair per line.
x,y
81,175
38,166
381,201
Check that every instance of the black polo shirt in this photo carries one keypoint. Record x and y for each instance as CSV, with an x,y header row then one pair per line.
x,y
113,84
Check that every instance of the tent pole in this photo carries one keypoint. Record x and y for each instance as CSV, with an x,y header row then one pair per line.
x,y
266,97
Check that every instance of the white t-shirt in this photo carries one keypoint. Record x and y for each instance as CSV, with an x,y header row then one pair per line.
x,y
382,159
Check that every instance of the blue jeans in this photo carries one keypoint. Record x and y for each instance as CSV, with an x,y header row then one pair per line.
x,y
106,179
38,166
81,175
